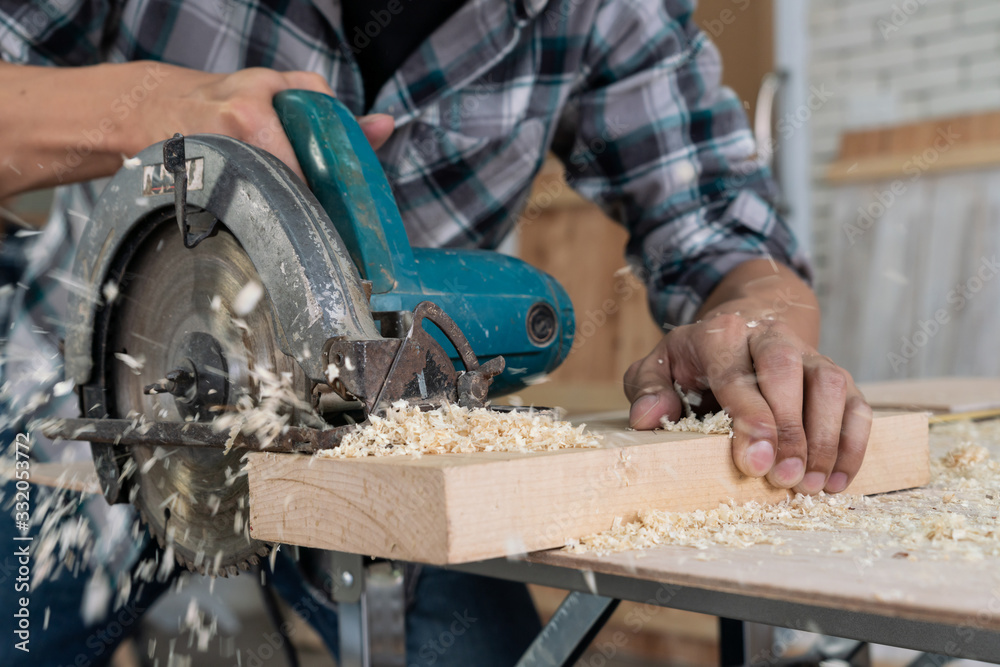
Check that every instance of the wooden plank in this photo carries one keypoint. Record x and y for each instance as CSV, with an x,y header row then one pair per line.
x,y
973,142
464,507
940,395
891,167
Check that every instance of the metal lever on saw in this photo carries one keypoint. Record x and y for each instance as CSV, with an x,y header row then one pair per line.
x,y
378,371
414,368
175,163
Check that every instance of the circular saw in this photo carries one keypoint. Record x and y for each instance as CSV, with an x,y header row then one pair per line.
x,y
223,305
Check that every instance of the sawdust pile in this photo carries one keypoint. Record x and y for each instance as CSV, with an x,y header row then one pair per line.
x,y
712,423
452,429
955,516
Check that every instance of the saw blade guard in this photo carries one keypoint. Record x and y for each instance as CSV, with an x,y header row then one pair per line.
x,y
503,305
255,224
313,285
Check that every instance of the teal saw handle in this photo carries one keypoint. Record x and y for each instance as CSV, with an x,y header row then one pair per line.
x,y
345,176
503,305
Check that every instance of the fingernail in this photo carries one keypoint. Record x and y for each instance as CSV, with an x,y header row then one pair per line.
x,y
759,457
642,407
812,483
837,482
788,473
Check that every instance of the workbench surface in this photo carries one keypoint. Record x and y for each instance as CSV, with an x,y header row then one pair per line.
x,y
946,573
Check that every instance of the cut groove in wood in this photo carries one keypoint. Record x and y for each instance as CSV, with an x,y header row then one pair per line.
x,y
458,508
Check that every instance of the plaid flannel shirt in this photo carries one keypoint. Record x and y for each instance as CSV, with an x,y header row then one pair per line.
x,y
626,92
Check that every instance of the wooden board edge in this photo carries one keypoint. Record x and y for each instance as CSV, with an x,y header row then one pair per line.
x,y
904,437
913,429
305,499
80,476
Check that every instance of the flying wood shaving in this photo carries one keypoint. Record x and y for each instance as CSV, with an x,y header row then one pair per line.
x,y
954,516
63,388
248,298
452,429
134,363
265,419
110,292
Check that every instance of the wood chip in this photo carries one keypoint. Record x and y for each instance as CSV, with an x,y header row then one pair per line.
x,y
452,429
956,516
713,422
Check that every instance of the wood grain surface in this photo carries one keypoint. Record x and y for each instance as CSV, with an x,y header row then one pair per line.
x,y
462,507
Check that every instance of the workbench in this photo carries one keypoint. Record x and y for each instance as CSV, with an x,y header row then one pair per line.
x,y
844,583
939,600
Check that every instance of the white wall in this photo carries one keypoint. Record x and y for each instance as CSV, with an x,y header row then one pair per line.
x,y
889,62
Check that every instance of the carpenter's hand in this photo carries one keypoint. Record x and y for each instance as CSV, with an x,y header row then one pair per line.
x,y
797,417
77,123
239,105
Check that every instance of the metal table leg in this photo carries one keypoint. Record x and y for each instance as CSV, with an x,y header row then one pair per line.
x,y
370,609
742,643
570,630
930,660
347,572
352,619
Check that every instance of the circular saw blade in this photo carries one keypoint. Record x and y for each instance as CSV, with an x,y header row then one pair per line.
x,y
194,500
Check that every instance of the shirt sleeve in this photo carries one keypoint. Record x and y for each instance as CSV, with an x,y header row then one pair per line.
x,y
61,33
666,151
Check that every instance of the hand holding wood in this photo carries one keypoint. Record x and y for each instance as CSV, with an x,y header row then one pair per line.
x,y
798,418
